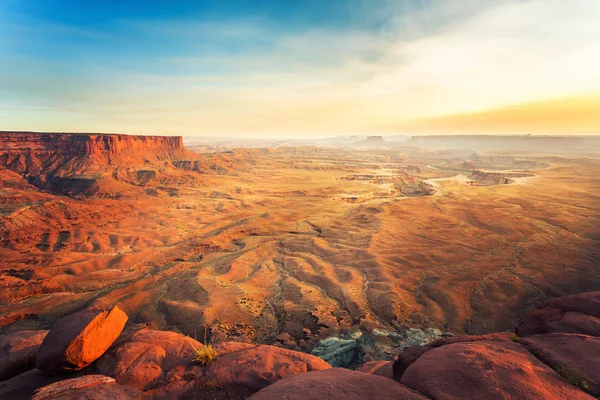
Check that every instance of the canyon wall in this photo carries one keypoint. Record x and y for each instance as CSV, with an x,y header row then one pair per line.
x,y
487,178
85,144
85,164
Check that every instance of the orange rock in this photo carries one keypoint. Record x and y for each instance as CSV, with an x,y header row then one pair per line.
x,y
260,366
336,384
147,356
585,303
77,340
486,370
238,373
554,320
575,357
411,354
86,387
381,368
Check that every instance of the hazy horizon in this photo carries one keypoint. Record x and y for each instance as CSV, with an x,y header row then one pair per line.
x,y
278,70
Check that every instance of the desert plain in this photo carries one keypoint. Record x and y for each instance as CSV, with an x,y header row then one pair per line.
x,y
292,245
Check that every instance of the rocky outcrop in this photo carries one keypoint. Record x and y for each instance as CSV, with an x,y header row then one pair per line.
x,y
146,357
486,370
574,357
78,144
336,384
351,350
22,386
18,351
411,354
162,365
77,340
585,303
339,352
553,320
410,186
381,368
239,369
87,387
80,164
570,314
542,365
487,178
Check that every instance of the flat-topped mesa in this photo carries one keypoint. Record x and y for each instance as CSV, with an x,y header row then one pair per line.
x,y
86,164
490,178
86,144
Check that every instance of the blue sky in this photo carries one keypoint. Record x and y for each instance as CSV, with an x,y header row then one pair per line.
x,y
283,67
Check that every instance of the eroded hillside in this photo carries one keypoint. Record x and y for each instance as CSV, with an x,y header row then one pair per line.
x,y
280,246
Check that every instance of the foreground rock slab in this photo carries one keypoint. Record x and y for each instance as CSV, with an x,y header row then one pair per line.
x,y
90,387
585,303
575,357
22,386
411,354
18,351
553,320
77,340
487,370
147,356
381,368
161,364
578,313
334,384
238,371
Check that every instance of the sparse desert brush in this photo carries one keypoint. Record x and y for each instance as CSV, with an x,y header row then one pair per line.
x,y
203,355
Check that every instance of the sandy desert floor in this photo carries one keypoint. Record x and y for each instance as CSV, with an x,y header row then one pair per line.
x,y
293,246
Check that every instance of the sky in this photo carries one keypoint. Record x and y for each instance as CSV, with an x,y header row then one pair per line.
x,y
300,68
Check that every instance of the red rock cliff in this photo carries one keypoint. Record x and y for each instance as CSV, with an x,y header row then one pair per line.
x,y
73,163
86,144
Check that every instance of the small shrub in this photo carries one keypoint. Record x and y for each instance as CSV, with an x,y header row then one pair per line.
x,y
515,339
203,355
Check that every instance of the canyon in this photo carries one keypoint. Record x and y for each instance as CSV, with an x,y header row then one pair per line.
x,y
377,249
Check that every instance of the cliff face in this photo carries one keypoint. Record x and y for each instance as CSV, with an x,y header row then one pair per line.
x,y
486,178
76,163
86,144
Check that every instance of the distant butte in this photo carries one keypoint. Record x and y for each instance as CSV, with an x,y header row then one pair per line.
x,y
375,139
372,142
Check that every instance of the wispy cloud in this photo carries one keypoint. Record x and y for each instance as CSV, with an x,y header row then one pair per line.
x,y
423,59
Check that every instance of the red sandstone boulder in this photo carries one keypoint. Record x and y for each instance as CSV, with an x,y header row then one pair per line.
x,y
77,340
239,372
575,357
230,347
21,387
260,366
491,370
381,368
18,351
585,303
334,384
147,356
90,387
411,354
553,320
